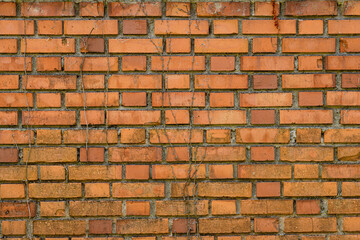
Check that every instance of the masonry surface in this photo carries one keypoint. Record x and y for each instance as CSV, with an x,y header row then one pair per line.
x,y
180,120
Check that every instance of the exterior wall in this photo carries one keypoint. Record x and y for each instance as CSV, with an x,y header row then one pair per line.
x,y
180,120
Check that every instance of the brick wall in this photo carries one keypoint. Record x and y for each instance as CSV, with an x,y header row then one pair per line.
x,y
167,120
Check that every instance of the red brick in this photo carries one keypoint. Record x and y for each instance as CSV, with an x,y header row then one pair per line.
x,y
16,137
344,98
222,27
50,27
17,210
48,100
262,153
306,154
268,189
9,155
100,226
134,63
91,27
136,99
178,63
268,27
264,82
48,9
137,172
88,9
8,9
308,81
181,27
219,154
221,99
136,27
262,135
141,9
266,207
223,9
17,27
262,171
134,135
181,208
308,207
266,225
266,9
224,225
267,63
89,64
308,45
350,80
314,225
265,45
341,63
224,64
310,99
93,45
309,189
262,117
310,8
219,117
221,81
310,63
177,9
265,99
177,154
175,136
48,64
135,154
312,27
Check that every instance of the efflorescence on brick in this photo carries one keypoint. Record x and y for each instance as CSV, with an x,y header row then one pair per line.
x,y
160,120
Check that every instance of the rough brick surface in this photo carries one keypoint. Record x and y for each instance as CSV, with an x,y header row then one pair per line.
x,y
180,120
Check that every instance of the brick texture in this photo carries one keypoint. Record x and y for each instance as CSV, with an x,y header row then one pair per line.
x,y
180,120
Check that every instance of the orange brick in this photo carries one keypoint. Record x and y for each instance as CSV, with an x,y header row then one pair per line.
x,y
267,63
92,45
265,99
308,45
218,136
308,81
9,82
97,190
144,9
178,45
221,171
15,64
134,117
93,136
268,27
50,27
310,99
263,171
94,172
266,207
310,63
222,27
306,171
342,136
264,45
262,135
48,136
177,9
13,227
52,209
8,118
11,191
266,9
134,99
224,225
90,64
219,154
49,64
308,207
311,27
262,153
181,27
308,135
88,9
221,81
268,189
66,45
225,64
92,154
138,190
315,225
8,9
48,9
309,8
265,82
351,8
224,189
137,208
133,82
17,27
262,117
48,118
226,9
92,99
132,135
48,100
177,117
221,100
178,63
93,81
223,207
219,117
266,225
90,27
135,45
137,172
306,116
52,173
178,99
92,117
221,45
309,189
8,46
